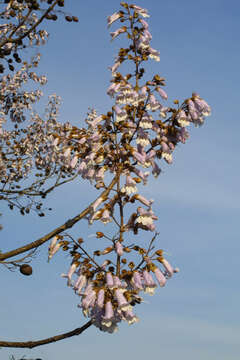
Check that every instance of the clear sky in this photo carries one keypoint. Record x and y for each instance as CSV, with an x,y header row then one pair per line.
x,y
196,316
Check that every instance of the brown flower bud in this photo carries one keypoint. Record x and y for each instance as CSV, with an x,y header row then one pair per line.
x,y
99,234
107,250
159,252
131,265
75,18
68,18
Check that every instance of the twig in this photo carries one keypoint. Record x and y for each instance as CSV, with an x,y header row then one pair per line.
x,y
67,225
32,344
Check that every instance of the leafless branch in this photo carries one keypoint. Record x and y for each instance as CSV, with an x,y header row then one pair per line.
x,y
67,225
32,344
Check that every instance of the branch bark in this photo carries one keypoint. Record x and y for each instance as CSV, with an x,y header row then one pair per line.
x,y
67,225
32,344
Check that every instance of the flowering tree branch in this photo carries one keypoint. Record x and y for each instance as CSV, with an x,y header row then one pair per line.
x,y
32,344
137,134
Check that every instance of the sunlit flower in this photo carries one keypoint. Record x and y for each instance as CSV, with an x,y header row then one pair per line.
x,y
162,93
160,277
154,54
70,273
143,200
121,300
117,32
100,298
109,280
130,186
141,11
53,247
112,18
119,248
109,314
182,119
106,217
149,284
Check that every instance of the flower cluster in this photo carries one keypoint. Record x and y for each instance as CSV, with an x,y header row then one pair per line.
x,y
108,298
138,132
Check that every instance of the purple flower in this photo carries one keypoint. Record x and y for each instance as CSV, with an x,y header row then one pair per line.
x,y
88,301
143,200
118,31
137,280
141,11
182,119
115,67
142,175
160,277
169,269
109,280
106,217
70,273
162,93
74,161
130,317
154,54
119,248
141,158
144,23
121,300
100,298
155,169
107,319
113,88
53,247
130,186
117,282
112,18
149,284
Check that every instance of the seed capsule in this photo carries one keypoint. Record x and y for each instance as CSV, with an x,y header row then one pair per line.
x,y
26,269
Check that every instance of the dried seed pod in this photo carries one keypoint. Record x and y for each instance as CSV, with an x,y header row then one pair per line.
x,y
75,18
68,18
26,269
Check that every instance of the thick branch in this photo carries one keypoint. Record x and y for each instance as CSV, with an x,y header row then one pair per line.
x,y
67,225
32,344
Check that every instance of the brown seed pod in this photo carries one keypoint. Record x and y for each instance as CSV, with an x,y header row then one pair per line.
x,y
75,18
26,269
68,18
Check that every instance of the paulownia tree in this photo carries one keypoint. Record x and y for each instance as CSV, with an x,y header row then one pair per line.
x,y
128,143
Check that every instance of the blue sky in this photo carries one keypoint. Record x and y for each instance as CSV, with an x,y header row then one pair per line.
x,y
196,198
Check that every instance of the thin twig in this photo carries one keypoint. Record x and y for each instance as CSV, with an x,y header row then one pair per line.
x,y
67,225
32,344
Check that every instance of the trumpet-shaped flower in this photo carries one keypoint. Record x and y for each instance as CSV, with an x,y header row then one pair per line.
x,y
130,186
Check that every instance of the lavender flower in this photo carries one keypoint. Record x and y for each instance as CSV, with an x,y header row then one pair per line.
x,y
160,277
108,318
119,248
130,186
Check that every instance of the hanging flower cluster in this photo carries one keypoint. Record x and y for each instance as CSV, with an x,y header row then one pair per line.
x,y
138,132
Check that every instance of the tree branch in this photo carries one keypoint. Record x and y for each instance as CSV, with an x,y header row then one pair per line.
x,y
32,28
67,225
32,344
